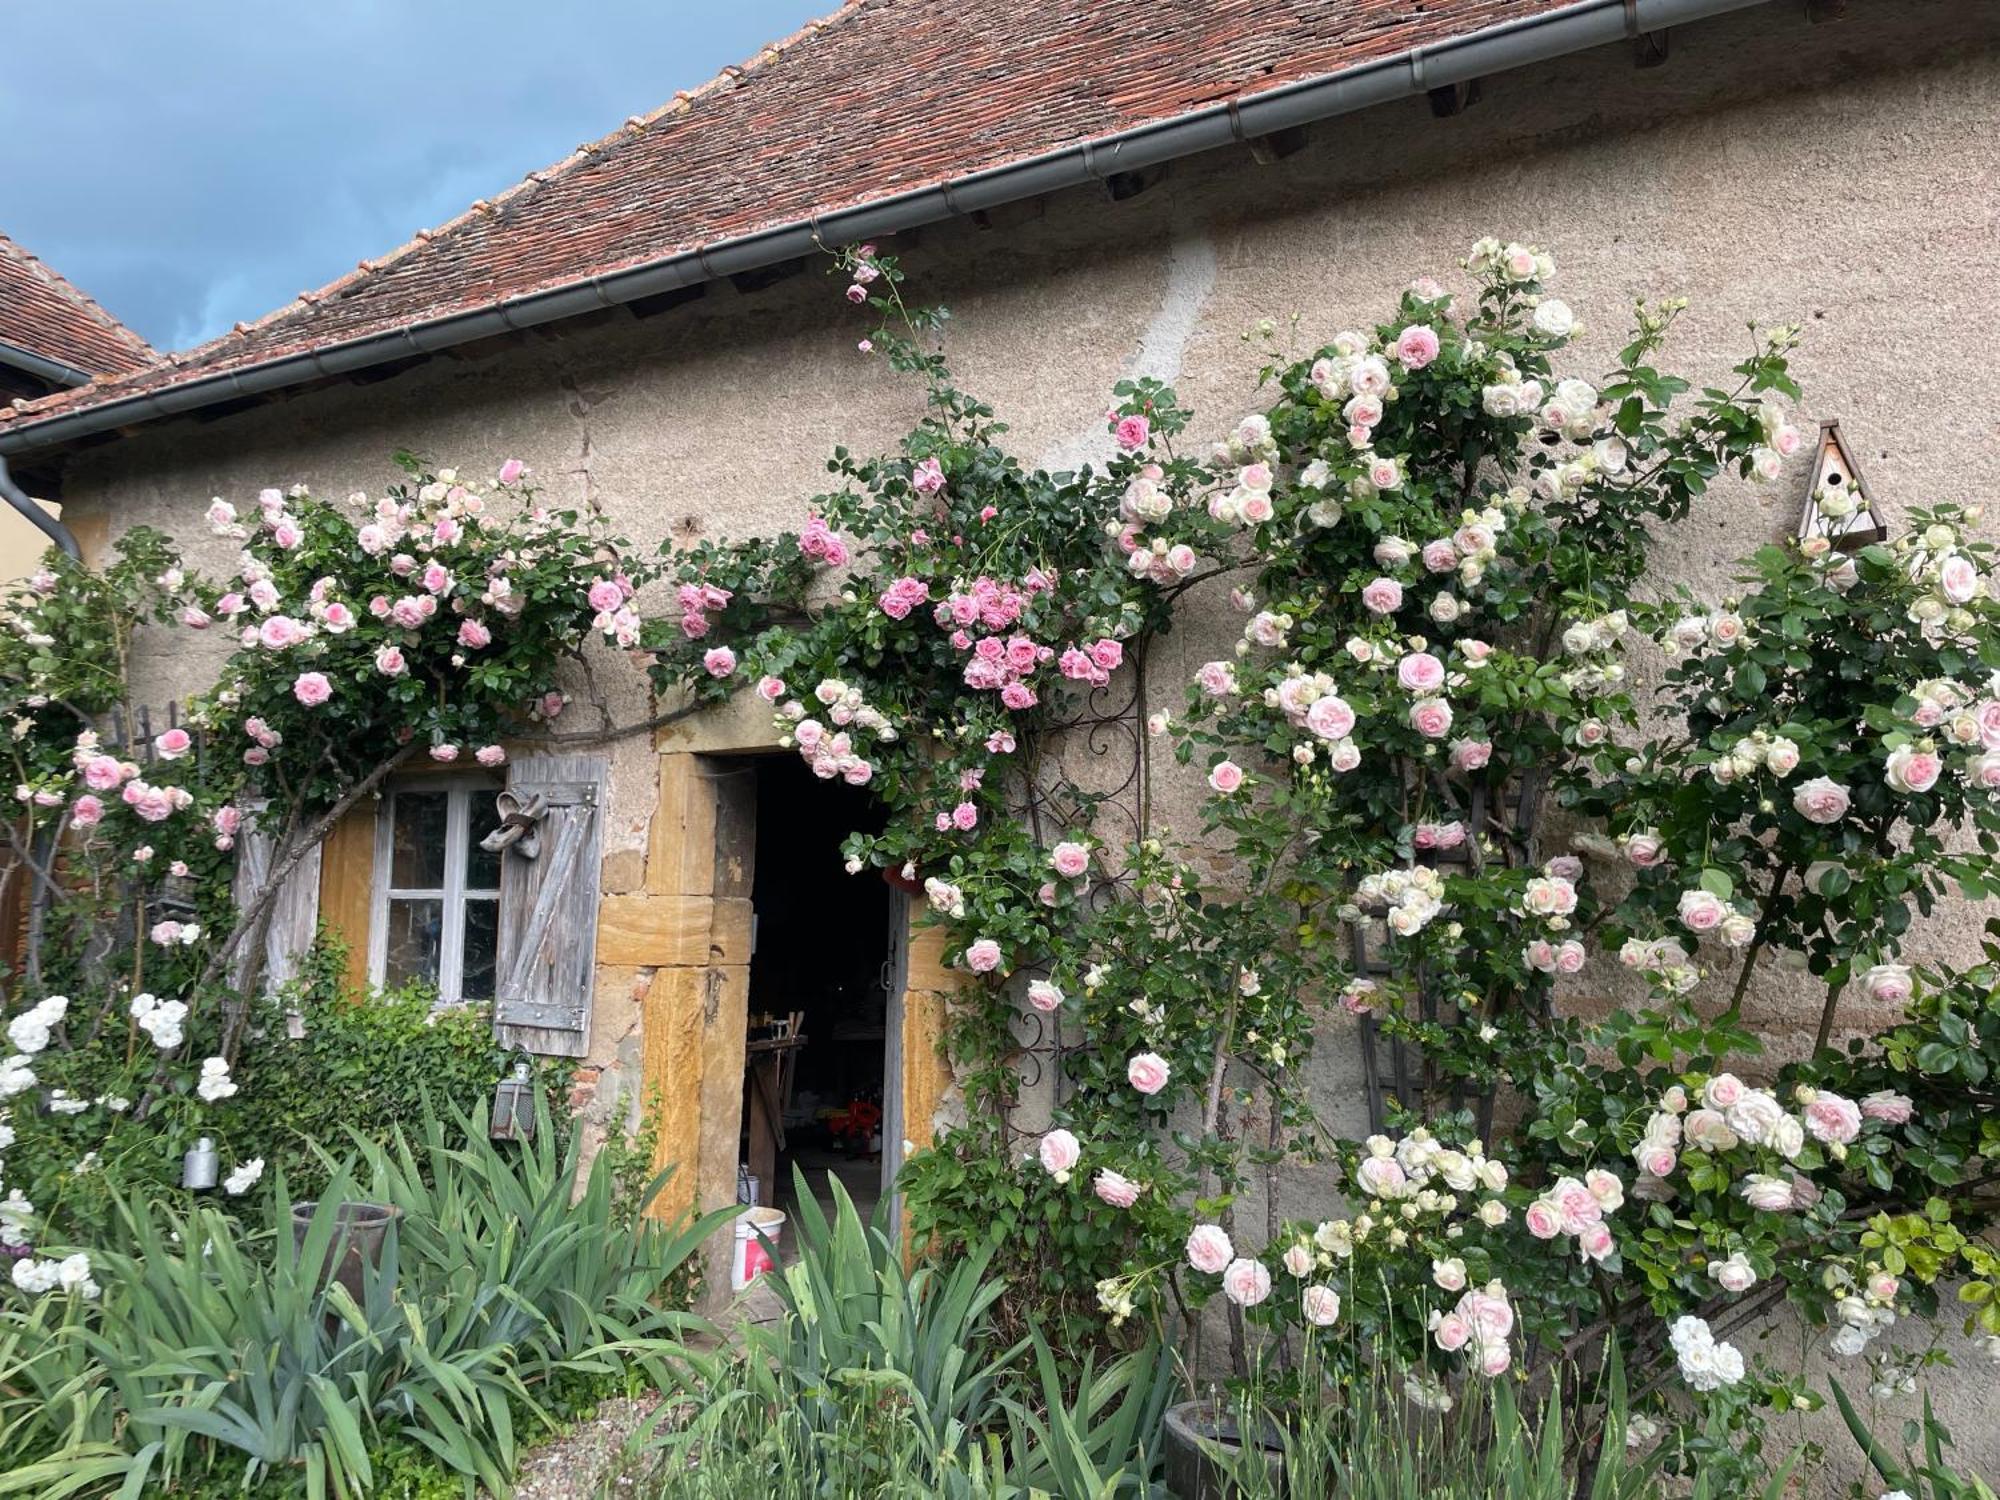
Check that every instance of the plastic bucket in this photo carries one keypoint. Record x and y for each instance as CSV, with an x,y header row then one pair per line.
x,y
752,1259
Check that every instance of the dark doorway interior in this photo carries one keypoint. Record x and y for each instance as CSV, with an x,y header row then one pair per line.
x,y
821,952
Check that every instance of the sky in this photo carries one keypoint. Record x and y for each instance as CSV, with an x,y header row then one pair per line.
x,y
197,164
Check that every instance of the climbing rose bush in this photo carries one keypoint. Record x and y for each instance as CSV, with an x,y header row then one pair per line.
x,y
423,626
1446,806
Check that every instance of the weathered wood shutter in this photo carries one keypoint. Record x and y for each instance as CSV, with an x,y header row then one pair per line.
x,y
548,910
294,916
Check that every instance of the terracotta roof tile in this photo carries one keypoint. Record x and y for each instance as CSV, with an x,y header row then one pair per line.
x,y
882,97
43,314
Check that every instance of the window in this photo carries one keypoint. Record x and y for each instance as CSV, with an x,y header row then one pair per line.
x,y
437,893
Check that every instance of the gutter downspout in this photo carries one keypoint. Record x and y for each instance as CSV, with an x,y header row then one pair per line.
x,y
1516,43
43,522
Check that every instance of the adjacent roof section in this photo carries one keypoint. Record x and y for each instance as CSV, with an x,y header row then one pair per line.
x,y
886,114
45,318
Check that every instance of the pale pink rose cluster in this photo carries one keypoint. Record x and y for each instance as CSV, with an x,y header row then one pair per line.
x,y
832,752
611,599
902,596
820,542
1565,957
155,804
1574,1208
1248,502
1093,663
1702,912
1408,899
1245,1282
1479,1323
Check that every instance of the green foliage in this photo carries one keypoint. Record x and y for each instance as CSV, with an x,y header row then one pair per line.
x,y
1920,1470
370,1064
879,1382
218,1357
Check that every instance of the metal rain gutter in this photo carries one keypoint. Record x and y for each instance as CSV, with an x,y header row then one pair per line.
x,y
1513,44
42,521
41,366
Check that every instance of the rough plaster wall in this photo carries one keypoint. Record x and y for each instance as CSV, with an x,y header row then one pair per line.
x,y
1844,176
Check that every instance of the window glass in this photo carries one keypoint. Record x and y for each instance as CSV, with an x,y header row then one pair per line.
x,y
417,854
416,940
482,870
482,947
438,897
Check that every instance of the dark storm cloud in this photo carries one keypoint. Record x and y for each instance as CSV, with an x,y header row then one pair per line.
x,y
196,164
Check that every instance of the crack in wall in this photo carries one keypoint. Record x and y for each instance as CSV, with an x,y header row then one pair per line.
x,y
1163,343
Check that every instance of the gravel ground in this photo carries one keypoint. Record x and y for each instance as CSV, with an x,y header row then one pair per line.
x,y
589,1460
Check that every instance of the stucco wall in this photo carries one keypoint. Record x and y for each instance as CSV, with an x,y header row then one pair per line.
x,y
1843,176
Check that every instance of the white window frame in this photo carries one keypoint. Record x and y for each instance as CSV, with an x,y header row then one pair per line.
x,y
452,895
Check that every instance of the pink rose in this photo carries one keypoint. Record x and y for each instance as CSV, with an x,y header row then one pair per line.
x,y
1044,996
982,956
1431,718
1471,755
1115,1188
1833,1120
965,817
102,772
312,688
436,579
1209,1250
490,755
1330,717
1132,433
1596,1243
1382,1177
1913,769
1246,1282
1701,911
1658,1161
1440,556
473,635
1451,1333
444,753
1059,1152
389,661
1723,1091
928,477
1888,984
1577,1205
1544,1219
511,471
1320,1305
280,631
1383,597
195,619
1225,777
1147,1072
1420,672
86,811
1071,859
605,596
1416,346
1890,1108
719,662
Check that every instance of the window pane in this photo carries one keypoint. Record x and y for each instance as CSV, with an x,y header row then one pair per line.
x,y
482,870
416,860
482,946
416,937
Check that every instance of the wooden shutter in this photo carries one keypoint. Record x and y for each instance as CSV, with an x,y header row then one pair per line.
x,y
548,910
295,915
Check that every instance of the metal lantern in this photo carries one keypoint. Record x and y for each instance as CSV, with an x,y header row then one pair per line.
x,y
199,1166
1838,505
514,1106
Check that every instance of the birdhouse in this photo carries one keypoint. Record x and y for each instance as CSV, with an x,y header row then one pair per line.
x,y
1838,505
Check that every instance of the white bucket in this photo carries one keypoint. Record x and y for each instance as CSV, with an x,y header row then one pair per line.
x,y
751,1259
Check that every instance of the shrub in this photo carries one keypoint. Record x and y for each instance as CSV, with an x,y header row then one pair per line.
x,y
367,1065
204,1354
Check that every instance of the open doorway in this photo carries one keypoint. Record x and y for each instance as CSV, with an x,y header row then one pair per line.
x,y
823,1060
